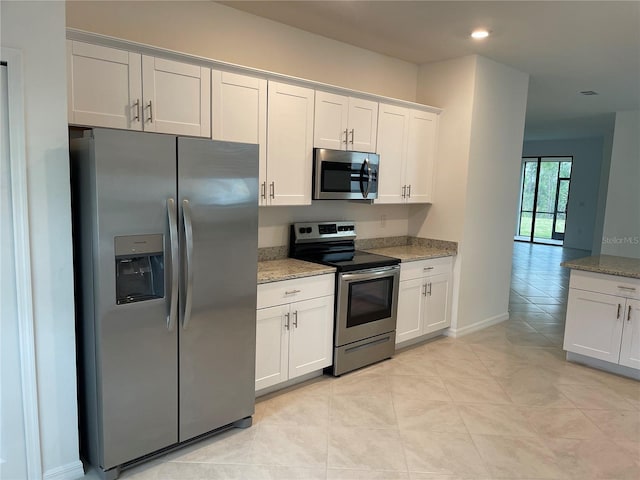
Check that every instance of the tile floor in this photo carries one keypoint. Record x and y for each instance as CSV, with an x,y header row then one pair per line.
x,y
500,403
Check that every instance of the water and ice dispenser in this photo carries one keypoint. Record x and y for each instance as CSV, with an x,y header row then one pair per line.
x,y
139,268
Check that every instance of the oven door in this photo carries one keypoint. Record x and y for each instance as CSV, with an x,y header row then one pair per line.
x,y
345,175
366,303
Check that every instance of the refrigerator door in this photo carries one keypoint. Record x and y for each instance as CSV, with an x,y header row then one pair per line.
x,y
136,351
218,205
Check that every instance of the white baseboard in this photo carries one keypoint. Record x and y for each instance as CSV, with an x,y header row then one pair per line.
x,y
70,471
482,324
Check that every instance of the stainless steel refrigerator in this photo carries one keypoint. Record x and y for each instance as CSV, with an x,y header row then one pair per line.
x,y
165,238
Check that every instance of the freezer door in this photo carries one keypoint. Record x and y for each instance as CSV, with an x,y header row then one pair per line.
x,y
218,204
136,351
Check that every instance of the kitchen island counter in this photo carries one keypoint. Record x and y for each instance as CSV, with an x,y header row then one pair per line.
x,y
606,264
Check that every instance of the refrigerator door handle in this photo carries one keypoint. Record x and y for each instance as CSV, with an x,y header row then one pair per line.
x,y
173,240
188,235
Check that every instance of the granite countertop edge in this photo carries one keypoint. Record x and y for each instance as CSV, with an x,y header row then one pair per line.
x,y
413,253
606,264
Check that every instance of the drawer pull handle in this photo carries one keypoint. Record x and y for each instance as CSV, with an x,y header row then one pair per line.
x,y
292,292
427,268
618,314
629,314
631,289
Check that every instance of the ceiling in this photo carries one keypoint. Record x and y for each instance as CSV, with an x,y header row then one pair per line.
x,y
566,47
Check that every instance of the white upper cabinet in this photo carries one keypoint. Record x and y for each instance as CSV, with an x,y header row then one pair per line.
x,y
177,97
289,145
104,86
239,114
345,123
407,142
115,88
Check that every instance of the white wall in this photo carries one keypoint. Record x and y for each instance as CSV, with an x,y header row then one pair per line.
x,y
37,29
371,220
222,33
622,216
603,189
497,130
584,186
476,194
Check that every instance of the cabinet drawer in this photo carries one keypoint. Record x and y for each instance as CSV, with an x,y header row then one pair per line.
x,y
607,284
287,291
422,268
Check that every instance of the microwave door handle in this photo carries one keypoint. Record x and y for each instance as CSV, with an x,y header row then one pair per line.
x,y
365,164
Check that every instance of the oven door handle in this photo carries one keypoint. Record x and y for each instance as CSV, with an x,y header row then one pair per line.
x,y
370,274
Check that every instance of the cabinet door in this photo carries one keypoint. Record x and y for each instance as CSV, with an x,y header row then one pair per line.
x,y
437,315
594,325
330,126
239,114
272,339
630,346
311,342
177,97
362,125
104,86
410,309
289,144
421,153
393,130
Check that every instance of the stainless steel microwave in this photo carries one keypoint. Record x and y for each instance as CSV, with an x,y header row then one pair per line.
x,y
344,175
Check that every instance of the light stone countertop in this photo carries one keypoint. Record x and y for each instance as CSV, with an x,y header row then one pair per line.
x,y
607,264
289,268
410,253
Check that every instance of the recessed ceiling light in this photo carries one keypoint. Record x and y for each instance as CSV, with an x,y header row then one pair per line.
x,y
588,92
479,34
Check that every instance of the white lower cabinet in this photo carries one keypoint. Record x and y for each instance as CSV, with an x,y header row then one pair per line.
x,y
294,337
603,318
424,298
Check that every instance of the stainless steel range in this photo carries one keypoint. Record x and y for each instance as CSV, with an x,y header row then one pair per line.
x,y
366,292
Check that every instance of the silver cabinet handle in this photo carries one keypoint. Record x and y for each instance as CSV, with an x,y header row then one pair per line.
x,y
295,319
263,190
188,236
424,290
346,136
292,292
629,314
429,292
404,191
173,241
631,289
272,189
137,105
618,314
150,107
409,192
352,135
427,268
288,318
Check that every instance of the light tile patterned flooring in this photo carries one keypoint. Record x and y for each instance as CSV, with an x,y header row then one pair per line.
x,y
500,403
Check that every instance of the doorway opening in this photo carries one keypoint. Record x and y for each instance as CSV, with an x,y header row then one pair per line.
x,y
544,196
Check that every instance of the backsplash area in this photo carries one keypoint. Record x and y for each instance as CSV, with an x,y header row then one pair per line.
x,y
372,221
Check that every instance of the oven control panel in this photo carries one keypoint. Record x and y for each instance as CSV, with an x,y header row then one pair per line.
x,y
323,231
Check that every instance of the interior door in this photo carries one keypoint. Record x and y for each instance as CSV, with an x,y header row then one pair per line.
x,y
218,192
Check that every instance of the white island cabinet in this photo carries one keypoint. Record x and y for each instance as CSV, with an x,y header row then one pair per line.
x,y
424,298
108,87
294,334
603,321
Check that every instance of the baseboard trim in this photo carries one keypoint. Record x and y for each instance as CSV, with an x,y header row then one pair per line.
x,y
482,324
70,471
